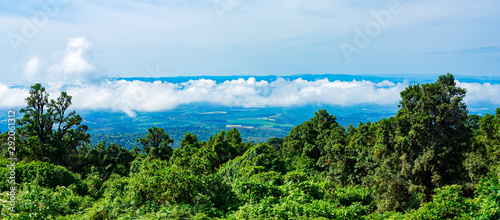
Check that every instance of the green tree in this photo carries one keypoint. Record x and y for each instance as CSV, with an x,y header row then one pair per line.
x,y
486,146
205,157
157,143
189,141
105,160
350,163
224,147
310,140
431,139
276,143
48,132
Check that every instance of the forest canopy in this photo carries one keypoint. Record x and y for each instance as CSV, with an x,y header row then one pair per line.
x,y
432,160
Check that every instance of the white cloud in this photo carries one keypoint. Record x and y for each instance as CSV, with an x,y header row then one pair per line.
x,y
68,64
481,93
138,96
32,68
12,97
130,97
72,60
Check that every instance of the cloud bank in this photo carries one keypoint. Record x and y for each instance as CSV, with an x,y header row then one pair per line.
x,y
134,96
138,96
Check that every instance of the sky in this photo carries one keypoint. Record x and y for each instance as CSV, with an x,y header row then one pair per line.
x,y
82,43
232,37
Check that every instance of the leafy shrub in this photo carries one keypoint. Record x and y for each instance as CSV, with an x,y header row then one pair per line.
x,y
252,191
165,184
162,184
184,212
488,198
118,198
36,202
39,173
260,158
352,194
448,203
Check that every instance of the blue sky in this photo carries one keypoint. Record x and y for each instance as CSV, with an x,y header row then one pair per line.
x,y
78,45
231,37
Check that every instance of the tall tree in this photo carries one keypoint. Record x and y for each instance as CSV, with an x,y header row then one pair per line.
x,y
431,138
48,131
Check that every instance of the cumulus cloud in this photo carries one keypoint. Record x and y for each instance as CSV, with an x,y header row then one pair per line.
x,y
68,64
72,61
32,68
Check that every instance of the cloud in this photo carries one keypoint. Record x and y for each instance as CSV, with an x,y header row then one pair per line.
x,y
131,97
485,93
478,50
12,97
32,68
72,61
69,64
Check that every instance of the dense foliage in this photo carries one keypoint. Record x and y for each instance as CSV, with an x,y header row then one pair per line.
x,y
433,160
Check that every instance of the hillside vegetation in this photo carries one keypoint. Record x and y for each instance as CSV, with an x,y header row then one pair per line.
x,y
433,160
